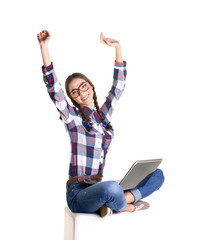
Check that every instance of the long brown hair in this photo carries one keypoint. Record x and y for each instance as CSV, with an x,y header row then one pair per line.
x,y
83,115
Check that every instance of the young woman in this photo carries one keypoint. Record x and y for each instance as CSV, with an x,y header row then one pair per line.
x,y
91,133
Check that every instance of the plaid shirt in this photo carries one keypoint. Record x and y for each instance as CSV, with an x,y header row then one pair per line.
x,y
88,149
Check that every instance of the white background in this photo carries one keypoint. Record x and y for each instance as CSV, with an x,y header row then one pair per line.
x,y
157,115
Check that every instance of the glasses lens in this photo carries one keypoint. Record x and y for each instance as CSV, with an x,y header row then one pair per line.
x,y
84,87
74,94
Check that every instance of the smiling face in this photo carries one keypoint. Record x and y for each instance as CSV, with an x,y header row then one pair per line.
x,y
85,98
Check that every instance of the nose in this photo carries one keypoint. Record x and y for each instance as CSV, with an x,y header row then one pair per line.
x,y
81,93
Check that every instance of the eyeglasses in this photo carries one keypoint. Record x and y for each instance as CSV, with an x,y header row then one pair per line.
x,y
83,87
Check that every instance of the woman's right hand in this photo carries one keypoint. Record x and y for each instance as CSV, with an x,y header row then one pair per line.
x,y
43,37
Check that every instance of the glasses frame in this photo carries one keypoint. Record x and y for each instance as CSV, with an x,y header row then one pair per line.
x,y
79,89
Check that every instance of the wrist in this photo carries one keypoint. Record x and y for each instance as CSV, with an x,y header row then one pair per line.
x,y
44,46
118,47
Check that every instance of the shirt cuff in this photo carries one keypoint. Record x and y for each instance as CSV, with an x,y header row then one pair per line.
x,y
120,64
47,69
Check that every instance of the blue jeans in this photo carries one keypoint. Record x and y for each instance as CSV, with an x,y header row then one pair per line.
x,y
84,198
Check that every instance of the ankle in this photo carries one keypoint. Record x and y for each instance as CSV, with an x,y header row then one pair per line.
x,y
129,197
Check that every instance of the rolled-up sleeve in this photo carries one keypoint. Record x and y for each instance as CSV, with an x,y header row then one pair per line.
x,y
56,93
119,81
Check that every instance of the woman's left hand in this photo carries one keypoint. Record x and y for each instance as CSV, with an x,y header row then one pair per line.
x,y
109,41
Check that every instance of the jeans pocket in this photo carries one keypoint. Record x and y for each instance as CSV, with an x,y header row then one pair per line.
x,y
70,194
73,190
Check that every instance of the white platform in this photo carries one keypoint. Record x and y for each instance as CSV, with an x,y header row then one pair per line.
x,y
78,226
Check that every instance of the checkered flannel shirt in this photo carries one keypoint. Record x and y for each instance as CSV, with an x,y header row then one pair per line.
x,y
88,149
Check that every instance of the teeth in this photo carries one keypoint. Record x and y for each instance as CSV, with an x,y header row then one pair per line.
x,y
85,98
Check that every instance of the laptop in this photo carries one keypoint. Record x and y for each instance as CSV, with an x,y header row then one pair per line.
x,y
138,172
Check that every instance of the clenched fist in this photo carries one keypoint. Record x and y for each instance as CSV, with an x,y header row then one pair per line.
x,y
43,37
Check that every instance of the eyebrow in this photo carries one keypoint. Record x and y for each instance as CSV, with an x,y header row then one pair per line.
x,y
78,87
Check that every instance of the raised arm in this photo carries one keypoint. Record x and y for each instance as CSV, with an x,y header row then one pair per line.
x,y
54,88
113,43
119,77
43,38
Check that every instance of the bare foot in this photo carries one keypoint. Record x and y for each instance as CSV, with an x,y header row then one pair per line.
x,y
130,208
